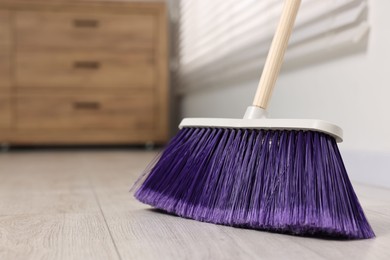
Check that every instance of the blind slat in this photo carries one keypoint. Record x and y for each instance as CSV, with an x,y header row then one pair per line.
x,y
233,34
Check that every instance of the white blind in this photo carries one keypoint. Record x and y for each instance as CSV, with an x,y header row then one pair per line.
x,y
223,40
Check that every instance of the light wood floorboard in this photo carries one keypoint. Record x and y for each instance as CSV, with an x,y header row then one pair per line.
x,y
76,205
49,211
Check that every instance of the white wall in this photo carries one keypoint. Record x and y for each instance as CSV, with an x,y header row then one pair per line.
x,y
353,92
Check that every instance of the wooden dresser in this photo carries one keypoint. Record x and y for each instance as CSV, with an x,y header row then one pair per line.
x,y
83,72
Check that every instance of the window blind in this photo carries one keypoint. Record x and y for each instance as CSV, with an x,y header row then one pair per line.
x,y
223,40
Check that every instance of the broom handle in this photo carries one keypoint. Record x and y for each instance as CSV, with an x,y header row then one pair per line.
x,y
276,53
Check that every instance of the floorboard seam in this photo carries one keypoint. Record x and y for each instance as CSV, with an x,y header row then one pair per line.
x,y
105,220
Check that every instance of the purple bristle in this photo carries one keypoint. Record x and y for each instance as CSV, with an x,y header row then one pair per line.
x,y
282,181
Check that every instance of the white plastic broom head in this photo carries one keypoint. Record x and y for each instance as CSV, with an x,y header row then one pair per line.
x,y
266,124
256,118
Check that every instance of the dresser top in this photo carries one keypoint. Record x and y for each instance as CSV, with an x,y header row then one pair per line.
x,y
80,1
136,3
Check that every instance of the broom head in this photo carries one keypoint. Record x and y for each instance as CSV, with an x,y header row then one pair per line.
x,y
278,175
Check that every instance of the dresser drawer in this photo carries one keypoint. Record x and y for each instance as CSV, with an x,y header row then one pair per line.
x,y
5,48
85,112
85,69
5,112
5,29
5,68
59,30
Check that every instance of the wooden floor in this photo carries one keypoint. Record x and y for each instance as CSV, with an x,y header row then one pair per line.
x,y
76,205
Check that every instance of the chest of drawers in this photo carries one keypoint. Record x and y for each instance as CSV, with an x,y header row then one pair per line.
x,y
83,72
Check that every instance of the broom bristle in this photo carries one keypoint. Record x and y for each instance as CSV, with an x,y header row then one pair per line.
x,y
275,180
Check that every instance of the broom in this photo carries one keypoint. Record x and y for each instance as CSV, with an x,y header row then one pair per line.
x,y
279,175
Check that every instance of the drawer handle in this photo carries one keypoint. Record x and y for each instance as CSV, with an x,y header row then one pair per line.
x,y
92,65
84,105
85,23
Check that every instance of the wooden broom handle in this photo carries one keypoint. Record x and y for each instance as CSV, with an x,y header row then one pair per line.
x,y
276,53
